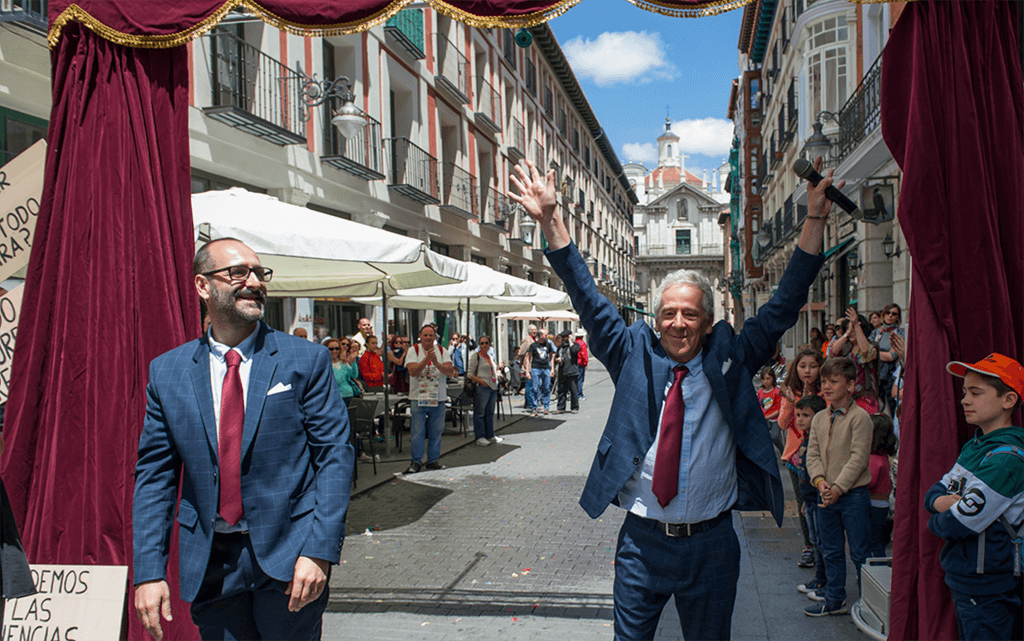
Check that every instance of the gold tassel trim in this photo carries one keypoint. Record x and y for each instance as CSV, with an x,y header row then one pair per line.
x,y
75,13
675,11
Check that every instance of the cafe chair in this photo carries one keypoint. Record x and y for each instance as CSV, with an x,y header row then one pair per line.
x,y
361,415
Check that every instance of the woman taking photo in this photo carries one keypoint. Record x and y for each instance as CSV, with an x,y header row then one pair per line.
x,y
484,373
399,378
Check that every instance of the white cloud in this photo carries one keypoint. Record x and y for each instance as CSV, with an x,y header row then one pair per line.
x,y
707,136
640,152
619,57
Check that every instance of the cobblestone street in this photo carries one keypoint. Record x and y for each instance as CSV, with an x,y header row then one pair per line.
x,y
497,547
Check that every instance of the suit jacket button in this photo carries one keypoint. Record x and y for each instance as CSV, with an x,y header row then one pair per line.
x,y
636,460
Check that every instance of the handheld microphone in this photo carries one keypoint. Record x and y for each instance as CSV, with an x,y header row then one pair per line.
x,y
804,169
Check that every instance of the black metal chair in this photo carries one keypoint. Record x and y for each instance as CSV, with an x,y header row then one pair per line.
x,y
361,414
400,414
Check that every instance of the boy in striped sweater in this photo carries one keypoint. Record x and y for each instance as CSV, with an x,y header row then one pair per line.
x,y
978,506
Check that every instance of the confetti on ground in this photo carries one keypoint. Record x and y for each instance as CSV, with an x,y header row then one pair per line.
x,y
526,570
515,619
425,623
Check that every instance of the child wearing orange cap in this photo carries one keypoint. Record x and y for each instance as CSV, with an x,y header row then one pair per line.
x,y
978,506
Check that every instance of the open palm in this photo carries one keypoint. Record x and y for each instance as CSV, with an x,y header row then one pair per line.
x,y
536,192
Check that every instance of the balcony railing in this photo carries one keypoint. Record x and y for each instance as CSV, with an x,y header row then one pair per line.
x,y
496,209
549,103
509,47
488,105
413,171
254,92
406,28
517,142
538,155
531,76
31,13
861,114
361,155
458,187
452,68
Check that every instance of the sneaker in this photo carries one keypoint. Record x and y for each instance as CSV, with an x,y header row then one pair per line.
x,y
816,595
496,439
806,558
811,586
535,413
365,458
482,441
546,412
435,465
413,468
558,412
583,398
825,608
574,412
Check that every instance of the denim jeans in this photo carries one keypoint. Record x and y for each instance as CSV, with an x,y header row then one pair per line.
x,y
579,381
541,388
988,617
811,517
850,515
424,419
530,403
879,517
483,411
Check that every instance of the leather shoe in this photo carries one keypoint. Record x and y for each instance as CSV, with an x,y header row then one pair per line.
x,y
435,465
413,468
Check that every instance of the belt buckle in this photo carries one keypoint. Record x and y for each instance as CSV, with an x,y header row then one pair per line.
x,y
678,530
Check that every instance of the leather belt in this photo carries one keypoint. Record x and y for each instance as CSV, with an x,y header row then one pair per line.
x,y
683,530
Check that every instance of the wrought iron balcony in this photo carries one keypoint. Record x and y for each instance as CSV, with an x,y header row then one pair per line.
x,y
581,202
406,29
531,76
488,106
497,210
517,142
458,187
413,171
452,67
509,48
361,155
861,114
254,92
29,13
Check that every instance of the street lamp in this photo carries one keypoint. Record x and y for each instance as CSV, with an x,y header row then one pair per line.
x,y
764,238
887,247
526,227
348,119
818,143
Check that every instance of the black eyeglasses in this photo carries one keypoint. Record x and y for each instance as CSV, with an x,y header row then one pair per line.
x,y
334,349
241,273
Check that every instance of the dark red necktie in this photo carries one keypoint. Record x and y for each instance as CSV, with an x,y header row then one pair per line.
x,y
232,417
666,461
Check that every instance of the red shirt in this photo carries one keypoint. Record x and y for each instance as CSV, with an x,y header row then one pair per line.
x,y
771,400
371,368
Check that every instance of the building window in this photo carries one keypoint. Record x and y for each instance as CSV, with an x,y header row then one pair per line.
x,y
827,68
479,260
682,241
441,248
18,132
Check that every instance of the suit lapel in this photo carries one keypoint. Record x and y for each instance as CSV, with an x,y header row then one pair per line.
x,y
713,371
204,390
661,366
264,364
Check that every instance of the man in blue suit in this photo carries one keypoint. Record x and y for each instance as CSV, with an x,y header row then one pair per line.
x,y
250,423
686,441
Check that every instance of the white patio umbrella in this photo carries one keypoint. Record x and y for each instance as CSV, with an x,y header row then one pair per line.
x,y
315,255
318,255
541,315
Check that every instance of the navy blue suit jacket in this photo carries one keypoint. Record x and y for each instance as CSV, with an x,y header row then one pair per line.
x,y
641,369
296,460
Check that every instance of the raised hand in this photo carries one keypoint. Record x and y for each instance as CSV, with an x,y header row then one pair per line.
x,y
536,192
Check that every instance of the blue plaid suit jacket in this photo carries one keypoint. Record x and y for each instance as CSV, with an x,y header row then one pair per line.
x,y
640,369
296,460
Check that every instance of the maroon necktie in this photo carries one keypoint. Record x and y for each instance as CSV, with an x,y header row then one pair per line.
x,y
666,462
232,417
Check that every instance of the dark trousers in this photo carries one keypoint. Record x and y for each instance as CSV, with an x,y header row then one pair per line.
x,y
701,571
850,515
802,520
993,616
237,599
879,517
567,385
579,380
811,516
484,400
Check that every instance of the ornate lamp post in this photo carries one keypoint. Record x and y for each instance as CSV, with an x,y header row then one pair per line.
x,y
348,119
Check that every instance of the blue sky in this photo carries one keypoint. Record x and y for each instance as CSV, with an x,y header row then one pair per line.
x,y
633,64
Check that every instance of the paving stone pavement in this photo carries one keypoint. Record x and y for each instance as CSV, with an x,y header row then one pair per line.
x,y
497,547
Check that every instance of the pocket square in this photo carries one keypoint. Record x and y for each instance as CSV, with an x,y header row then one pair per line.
x,y
280,387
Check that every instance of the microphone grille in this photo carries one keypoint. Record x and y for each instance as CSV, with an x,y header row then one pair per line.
x,y
802,167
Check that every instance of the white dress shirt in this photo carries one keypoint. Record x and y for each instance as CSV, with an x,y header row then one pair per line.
x,y
218,370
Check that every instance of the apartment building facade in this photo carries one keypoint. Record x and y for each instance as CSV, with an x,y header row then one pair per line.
x,y
448,111
811,85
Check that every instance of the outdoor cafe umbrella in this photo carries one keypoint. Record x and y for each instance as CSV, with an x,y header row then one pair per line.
x,y
318,255
541,315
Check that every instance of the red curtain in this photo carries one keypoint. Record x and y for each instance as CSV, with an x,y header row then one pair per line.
x,y
952,117
109,287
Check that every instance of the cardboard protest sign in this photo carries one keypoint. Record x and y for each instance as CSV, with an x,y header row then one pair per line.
x,y
73,603
21,190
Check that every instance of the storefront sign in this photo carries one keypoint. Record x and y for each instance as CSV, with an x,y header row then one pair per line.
x,y
21,190
72,603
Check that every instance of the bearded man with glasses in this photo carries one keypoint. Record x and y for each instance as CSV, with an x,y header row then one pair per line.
x,y
248,420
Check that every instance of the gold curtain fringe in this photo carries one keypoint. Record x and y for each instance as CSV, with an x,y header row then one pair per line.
x,y
675,11
75,13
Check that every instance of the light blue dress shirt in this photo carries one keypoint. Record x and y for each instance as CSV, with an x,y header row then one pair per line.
x,y
707,459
